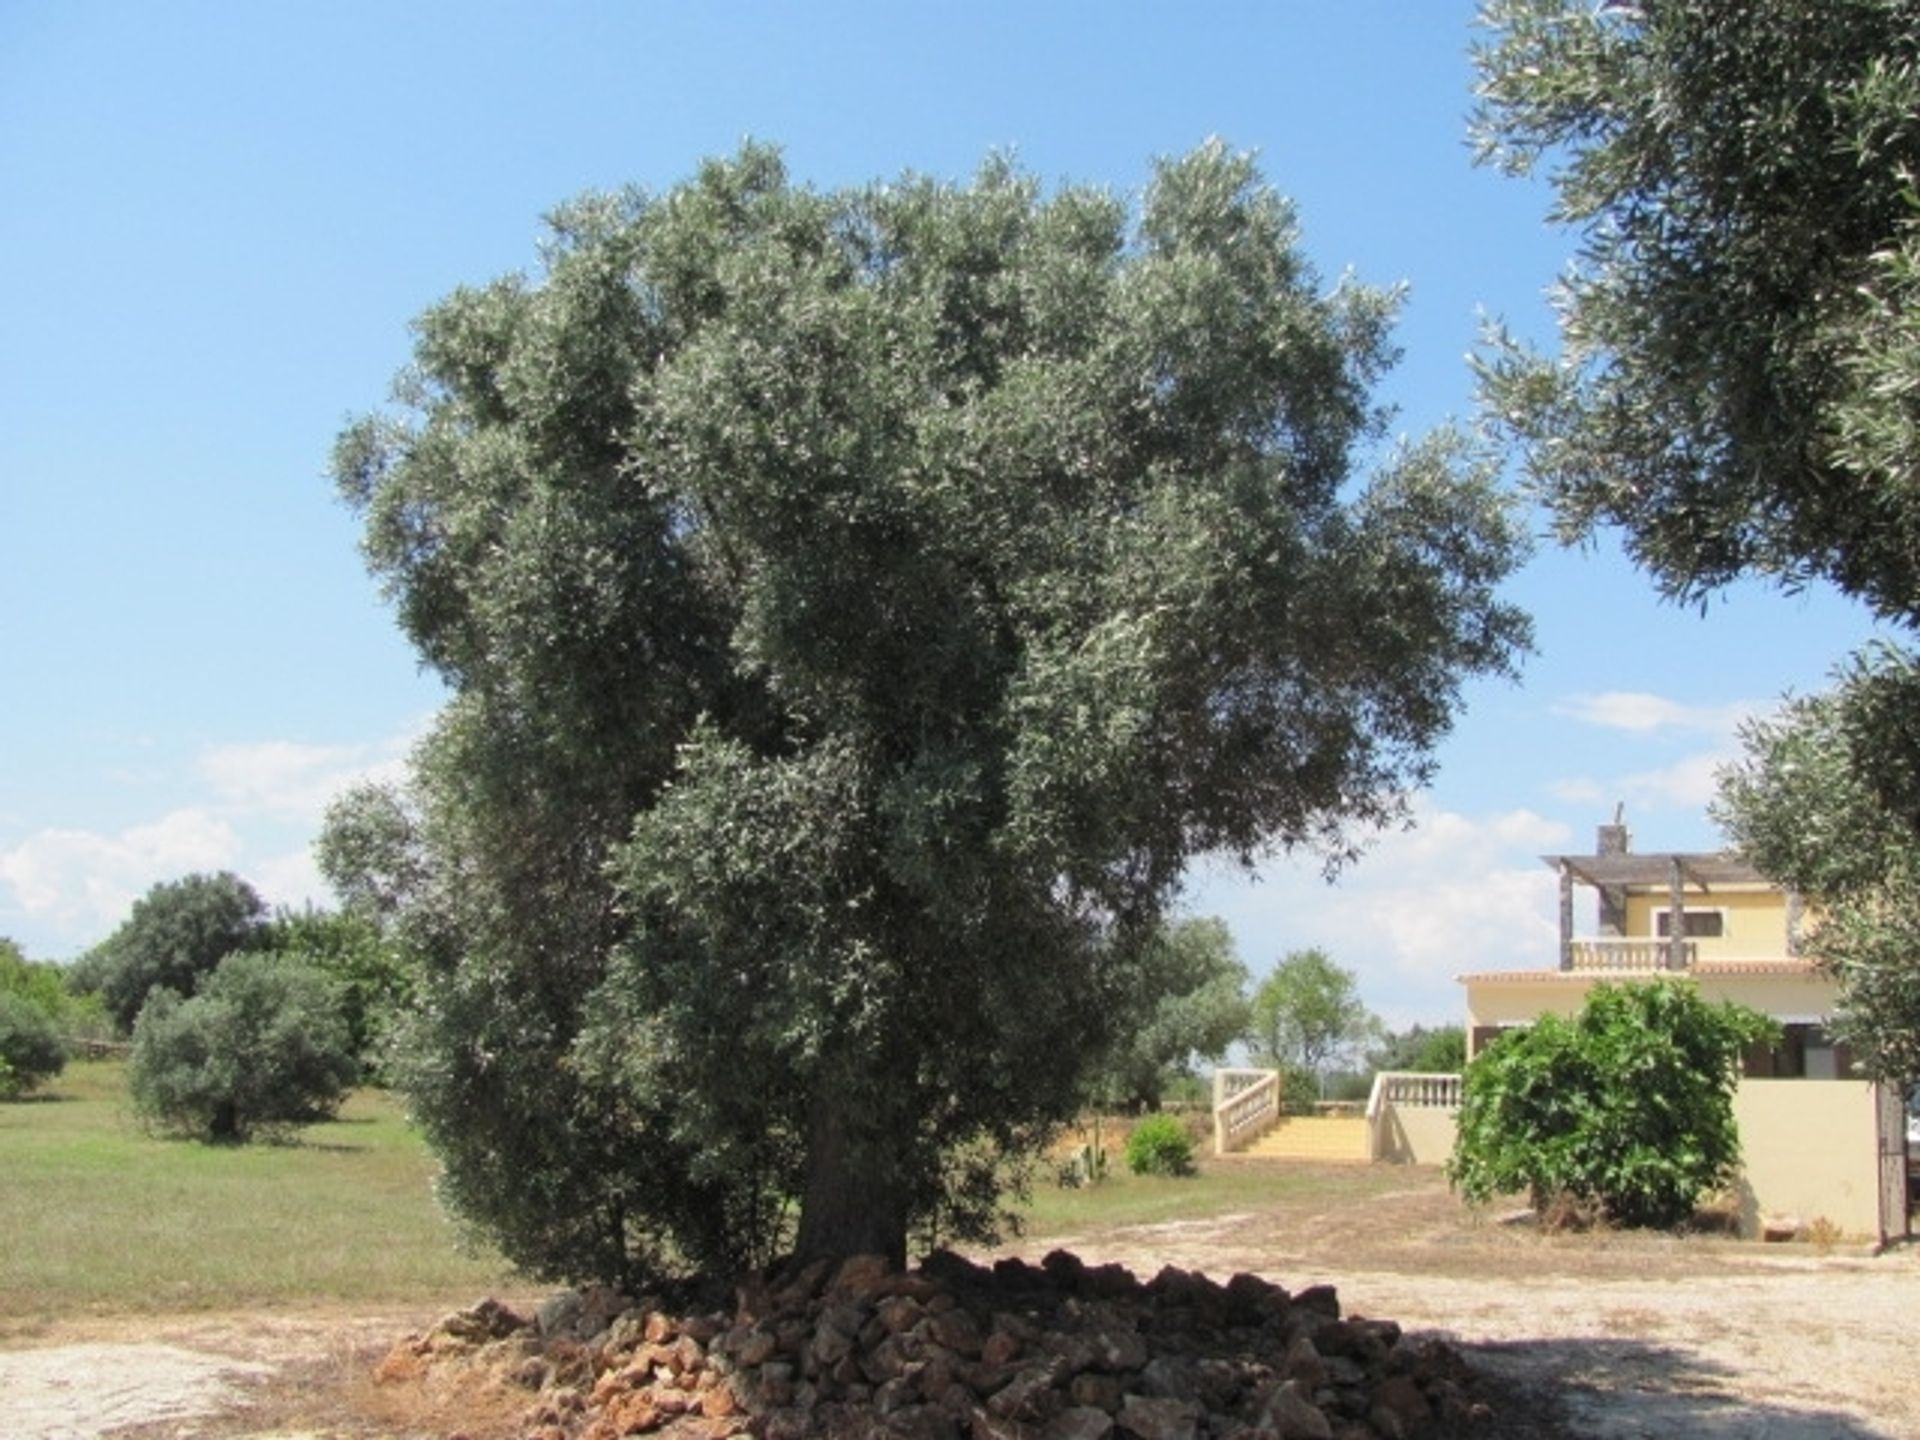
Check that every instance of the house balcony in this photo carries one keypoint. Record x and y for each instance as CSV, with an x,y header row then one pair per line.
x,y
1613,954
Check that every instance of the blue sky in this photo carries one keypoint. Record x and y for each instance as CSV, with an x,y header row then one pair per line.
x,y
220,218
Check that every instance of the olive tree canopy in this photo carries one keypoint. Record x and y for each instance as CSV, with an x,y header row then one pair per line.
x,y
859,606
1735,389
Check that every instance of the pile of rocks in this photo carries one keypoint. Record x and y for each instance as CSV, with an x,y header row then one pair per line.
x,y
1061,1351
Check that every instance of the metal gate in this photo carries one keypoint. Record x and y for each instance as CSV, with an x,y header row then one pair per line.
x,y
1891,1111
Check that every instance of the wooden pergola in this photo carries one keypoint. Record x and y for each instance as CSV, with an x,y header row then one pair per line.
x,y
1614,874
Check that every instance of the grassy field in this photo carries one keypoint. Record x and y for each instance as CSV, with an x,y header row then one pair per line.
x,y
96,1215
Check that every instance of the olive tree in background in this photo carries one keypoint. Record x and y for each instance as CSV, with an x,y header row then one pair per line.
x,y
261,1045
1191,1008
858,607
175,936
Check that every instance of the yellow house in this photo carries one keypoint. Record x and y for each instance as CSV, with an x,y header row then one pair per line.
x,y
1737,938
1817,1143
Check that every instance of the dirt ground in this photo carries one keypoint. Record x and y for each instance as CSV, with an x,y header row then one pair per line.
x,y
1605,1336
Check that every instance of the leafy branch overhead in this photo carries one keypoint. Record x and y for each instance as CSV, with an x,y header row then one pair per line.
x,y
1735,390
1738,388
859,606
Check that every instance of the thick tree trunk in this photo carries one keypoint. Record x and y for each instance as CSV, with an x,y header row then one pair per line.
x,y
853,1202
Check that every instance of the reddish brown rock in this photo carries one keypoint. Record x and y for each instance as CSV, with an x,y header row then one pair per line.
x,y
631,1413
1080,1422
1160,1418
999,1348
1399,1411
862,1277
1289,1415
405,1361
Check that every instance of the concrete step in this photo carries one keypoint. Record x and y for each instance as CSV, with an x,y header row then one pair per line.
x,y
1313,1137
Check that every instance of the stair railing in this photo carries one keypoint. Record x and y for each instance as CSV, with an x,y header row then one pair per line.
x,y
1246,1103
1405,1087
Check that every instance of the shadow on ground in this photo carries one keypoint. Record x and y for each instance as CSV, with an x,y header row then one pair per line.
x,y
1605,1388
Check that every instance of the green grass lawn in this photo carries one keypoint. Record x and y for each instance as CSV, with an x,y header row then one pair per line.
x,y
96,1215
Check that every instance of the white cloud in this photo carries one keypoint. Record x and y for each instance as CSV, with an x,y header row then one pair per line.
x,y
292,879
1687,784
295,781
1642,713
1453,893
250,808
79,882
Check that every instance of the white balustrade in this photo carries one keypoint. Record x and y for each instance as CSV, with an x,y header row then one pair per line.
x,y
1245,1105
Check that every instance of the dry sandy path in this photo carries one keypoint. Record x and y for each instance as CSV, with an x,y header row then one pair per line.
x,y
1712,1342
1611,1337
75,1392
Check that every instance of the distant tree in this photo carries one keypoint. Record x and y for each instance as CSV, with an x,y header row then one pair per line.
x,y
1626,1108
86,975
38,982
374,980
1308,1016
1193,1006
1808,805
31,1050
176,935
262,1045
46,986
1420,1050
371,852
858,607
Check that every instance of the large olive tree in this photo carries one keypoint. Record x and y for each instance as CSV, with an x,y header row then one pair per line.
x,y
859,606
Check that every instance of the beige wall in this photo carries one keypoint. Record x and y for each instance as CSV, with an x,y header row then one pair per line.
x,y
1755,924
1415,1134
1809,1149
1502,1001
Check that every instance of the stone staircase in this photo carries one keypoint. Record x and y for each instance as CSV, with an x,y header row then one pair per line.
x,y
1312,1137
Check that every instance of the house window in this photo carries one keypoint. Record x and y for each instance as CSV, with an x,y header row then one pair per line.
x,y
1805,1052
1694,924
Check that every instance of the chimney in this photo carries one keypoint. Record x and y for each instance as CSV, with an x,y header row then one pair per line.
x,y
1614,839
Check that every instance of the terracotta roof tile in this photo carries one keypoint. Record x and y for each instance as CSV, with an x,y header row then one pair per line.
x,y
1777,965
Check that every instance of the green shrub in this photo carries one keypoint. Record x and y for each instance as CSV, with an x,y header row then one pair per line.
x,y
1160,1145
1627,1108
174,937
374,981
262,1045
1299,1089
31,1049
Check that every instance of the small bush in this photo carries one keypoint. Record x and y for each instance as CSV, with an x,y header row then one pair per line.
x,y
31,1049
1160,1145
262,1045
